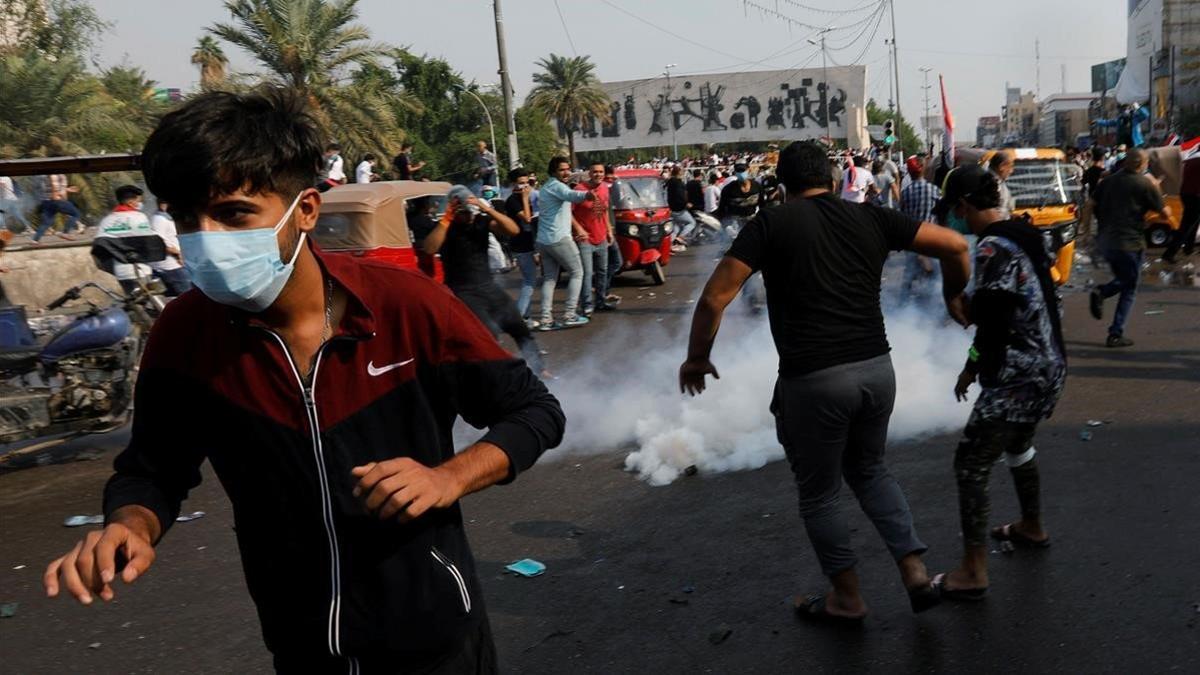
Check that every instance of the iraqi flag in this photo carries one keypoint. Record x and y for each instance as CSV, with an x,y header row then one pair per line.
x,y
947,124
1190,149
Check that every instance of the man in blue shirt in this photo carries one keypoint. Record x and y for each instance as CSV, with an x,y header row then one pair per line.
x,y
557,247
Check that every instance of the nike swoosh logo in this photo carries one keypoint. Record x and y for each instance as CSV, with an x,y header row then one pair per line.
x,y
376,372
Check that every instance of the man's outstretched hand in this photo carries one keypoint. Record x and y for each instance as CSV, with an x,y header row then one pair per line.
x,y
90,568
691,375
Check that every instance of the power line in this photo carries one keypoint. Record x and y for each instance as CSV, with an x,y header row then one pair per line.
x,y
791,21
868,44
565,29
677,36
829,11
875,16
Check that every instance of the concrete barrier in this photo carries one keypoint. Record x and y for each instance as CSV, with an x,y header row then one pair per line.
x,y
38,275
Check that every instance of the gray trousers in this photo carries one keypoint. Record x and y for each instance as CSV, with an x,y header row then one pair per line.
x,y
833,425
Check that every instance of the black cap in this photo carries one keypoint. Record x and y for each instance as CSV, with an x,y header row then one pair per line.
x,y
960,183
740,166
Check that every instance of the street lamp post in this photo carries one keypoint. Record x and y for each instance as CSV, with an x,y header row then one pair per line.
x,y
488,115
674,145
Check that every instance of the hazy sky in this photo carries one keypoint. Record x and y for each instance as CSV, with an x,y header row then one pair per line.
x,y
978,45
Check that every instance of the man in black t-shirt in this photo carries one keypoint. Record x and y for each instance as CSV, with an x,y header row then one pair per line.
x,y
520,209
403,164
677,201
822,259
461,236
740,200
695,190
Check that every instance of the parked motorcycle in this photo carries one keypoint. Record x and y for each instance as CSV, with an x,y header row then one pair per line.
x,y
77,377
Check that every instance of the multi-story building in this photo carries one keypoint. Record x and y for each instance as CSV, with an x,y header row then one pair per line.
x,y
1064,119
1021,118
987,131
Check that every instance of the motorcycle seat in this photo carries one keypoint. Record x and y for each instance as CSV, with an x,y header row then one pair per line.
x,y
18,359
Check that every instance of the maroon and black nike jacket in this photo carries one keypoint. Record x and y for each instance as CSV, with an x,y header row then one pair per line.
x,y
329,578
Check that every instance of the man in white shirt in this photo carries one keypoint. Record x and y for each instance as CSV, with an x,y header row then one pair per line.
x,y
335,172
365,172
126,231
169,269
857,181
10,206
712,195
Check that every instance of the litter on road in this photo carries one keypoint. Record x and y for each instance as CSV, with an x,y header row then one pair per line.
x,y
527,568
9,610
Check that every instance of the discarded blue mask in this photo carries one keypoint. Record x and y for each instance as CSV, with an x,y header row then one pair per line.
x,y
527,568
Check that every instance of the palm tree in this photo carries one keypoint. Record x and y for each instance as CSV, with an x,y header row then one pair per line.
x,y
311,46
212,61
56,107
568,91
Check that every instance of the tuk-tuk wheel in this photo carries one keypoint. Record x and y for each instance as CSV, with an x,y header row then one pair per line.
x,y
1158,236
657,274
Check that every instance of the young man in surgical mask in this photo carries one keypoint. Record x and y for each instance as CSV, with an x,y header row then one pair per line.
x,y
323,391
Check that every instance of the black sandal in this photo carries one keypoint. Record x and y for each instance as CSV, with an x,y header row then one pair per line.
x,y
957,594
813,609
923,597
1011,535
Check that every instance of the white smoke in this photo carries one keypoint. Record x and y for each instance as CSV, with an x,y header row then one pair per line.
x,y
627,396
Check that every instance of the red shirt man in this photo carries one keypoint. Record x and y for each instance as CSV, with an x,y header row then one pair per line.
x,y
592,214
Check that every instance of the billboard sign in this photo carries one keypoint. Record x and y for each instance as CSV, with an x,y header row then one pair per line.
x,y
781,105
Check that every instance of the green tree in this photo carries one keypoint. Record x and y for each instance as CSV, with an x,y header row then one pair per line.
x,y
56,29
134,95
212,61
568,91
313,46
910,142
55,107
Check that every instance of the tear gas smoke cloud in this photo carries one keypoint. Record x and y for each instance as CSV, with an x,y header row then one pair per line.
x,y
611,405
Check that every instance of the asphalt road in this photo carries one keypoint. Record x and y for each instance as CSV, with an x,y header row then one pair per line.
x,y
640,578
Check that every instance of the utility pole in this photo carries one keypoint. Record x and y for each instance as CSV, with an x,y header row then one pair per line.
x,y
928,136
896,66
825,76
1037,58
510,120
674,145
891,85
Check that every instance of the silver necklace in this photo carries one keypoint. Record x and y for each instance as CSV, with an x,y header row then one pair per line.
x,y
327,331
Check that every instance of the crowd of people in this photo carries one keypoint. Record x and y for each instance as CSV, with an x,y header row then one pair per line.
x,y
348,376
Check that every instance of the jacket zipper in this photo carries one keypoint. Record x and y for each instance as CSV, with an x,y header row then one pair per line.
x,y
458,577
333,636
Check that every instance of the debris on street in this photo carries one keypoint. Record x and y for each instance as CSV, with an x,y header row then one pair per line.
x,y
527,568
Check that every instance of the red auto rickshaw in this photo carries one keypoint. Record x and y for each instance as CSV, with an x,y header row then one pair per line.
x,y
370,220
643,222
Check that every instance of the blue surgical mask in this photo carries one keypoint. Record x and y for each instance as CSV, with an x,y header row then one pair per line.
x,y
240,268
742,176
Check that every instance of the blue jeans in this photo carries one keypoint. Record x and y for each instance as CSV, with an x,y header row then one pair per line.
x,y
562,254
529,279
1127,269
595,272
50,208
684,224
11,213
918,286
615,261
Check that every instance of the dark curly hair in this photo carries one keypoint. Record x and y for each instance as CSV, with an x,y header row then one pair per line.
x,y
220,142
